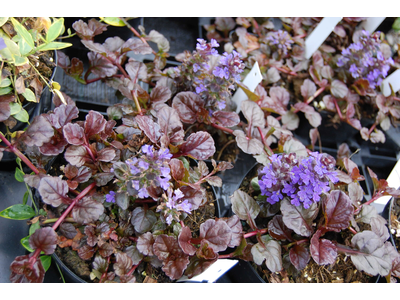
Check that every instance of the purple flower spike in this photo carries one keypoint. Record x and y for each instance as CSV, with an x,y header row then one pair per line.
x,y
110,197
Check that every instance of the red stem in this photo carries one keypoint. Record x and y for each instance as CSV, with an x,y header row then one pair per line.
x,y
133,269
375,197
222,128
352,230
286,71
255,232
372,128
230,255
338,109
104,275
19,154
71,206
264,141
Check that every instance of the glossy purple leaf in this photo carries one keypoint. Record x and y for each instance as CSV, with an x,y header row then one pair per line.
x,y
299,256
248,145
199,145
184,241
22,271
137,46
123,264
86,252
270,251
278,230
338,210
94,124
134,254
143,220
177,169
217,233
235,225
100,66
55,146
87,31
53,191
206,252
63,115
308,88
87,210
160,94
145,244
39,132
170,124
45,239
149,127
374,257
197,266
253,114
106,154
103,179
174,259
244,206
5,110
106,250
193,196
77,155
91,235
225,118
136,70
74,134
188,105
323,251
339,89
311,115
298,218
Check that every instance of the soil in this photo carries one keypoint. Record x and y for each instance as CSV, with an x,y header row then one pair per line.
x,y
343,271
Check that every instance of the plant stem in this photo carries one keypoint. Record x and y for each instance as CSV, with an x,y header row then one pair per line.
x,y
222,128
136,33
270,152
375,197
338,109
19,154
224,147
104,275
133,269
372,128
48,221
253,233
71,206
352,230
286,71
230,255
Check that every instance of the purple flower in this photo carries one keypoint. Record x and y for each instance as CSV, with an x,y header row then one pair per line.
x,y
164,183
110,197
164,154
200,88
143,193
201,45
196,67
281,40
214,43
221,105
2,43
354,71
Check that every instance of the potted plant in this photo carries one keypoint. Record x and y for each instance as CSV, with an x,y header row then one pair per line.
x,y
28,62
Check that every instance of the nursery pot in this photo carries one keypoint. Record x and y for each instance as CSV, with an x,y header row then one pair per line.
x,y
392,211
33,109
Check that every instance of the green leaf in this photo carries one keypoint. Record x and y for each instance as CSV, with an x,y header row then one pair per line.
x,y
22,116
24,48
19,175
25,198
254,184
25,243
5,82
20,60
396,24
114,21
54,46
29,95
15,108
33,228
3,20
21,30
250,94
5,90
55,30
46,261
18,212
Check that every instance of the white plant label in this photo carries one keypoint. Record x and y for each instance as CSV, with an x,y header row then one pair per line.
x,y
393,182
215,271
394,80
319,34
372,23
251,81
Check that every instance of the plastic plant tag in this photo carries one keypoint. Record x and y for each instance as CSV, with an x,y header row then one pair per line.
x,y
251,81
215,271
394,81
319,34
394,182
372,23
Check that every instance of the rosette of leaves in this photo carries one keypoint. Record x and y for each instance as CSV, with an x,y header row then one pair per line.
x,y
285,238
26,65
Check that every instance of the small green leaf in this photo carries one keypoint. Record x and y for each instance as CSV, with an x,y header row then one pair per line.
x,y
25,243
22,116
25,198
29,95
33,228
18,212
15,108
254,184
114,21
5,82
54,46
19,175
55,30
250,94
3,20
46,261
396,24
21,30
20,60
5,90
24,48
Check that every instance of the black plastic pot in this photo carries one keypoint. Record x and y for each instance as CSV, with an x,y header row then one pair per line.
x,y
388,213
33,109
